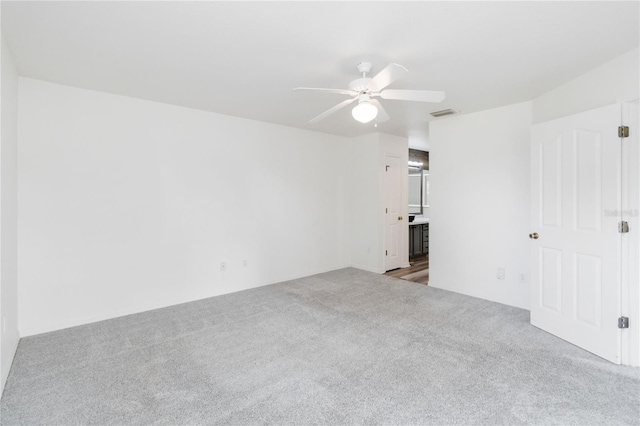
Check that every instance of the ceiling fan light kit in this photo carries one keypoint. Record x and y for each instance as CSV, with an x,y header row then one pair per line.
x,y
365,111
364,89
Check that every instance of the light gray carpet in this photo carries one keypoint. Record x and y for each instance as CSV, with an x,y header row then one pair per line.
x,y
344,347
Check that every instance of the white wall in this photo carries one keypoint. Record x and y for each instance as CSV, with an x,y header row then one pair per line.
x,y
366,200
8,214
419,141
480,182
611,82
128,205
479,177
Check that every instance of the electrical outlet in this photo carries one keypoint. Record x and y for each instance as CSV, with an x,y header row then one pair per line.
x,y
223,266
500,274
244,263
523,278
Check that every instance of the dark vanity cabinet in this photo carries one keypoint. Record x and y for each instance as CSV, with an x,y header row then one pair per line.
x,y
418,239
415,240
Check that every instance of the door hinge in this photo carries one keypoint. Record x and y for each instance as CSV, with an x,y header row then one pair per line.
x,y
386,210
623,322
385,253
623,227
386,168
623,131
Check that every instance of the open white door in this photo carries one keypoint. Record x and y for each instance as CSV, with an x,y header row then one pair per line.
x,y
575,211
394,171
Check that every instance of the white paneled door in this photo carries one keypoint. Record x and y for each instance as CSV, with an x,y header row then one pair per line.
x,y
394,172
575,210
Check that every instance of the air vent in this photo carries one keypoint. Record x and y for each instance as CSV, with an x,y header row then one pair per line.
x,y
443,112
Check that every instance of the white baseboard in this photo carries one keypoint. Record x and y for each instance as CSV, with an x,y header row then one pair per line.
x,y
368,268
3,379
75,322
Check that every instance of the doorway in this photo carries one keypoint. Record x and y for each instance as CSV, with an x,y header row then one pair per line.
x,y
418,223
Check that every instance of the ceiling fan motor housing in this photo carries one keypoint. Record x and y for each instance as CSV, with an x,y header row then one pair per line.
x,y
359,85
364,67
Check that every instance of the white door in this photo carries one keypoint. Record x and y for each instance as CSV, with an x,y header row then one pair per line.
x,y
575,209
393,211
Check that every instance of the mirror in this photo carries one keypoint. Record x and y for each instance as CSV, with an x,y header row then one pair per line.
x,y
418,187
418,190
416,183
425,188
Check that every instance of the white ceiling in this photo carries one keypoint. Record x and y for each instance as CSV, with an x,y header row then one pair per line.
x,y
243,58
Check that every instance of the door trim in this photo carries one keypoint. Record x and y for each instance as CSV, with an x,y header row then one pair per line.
x,y
630,250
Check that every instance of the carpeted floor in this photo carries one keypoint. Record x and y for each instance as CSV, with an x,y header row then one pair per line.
x,y
344,347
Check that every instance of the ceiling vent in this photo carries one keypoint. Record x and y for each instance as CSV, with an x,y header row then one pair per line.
x,y
443,112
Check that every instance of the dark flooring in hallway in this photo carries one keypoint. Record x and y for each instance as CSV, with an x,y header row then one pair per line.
x,y
418,272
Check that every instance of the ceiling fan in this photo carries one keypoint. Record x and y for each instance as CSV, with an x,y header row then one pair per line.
x,y
365,89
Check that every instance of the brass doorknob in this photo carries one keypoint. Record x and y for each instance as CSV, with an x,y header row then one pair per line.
x,y
399,217
534,236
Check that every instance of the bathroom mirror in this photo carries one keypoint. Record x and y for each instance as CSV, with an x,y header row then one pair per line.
x,y
416,184
425,188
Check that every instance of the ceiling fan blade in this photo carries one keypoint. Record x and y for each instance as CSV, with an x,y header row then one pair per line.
x,y
338,91
332,110
387,76
413,95
382,114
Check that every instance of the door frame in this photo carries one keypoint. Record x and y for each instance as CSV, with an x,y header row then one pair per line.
x,y
630,250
